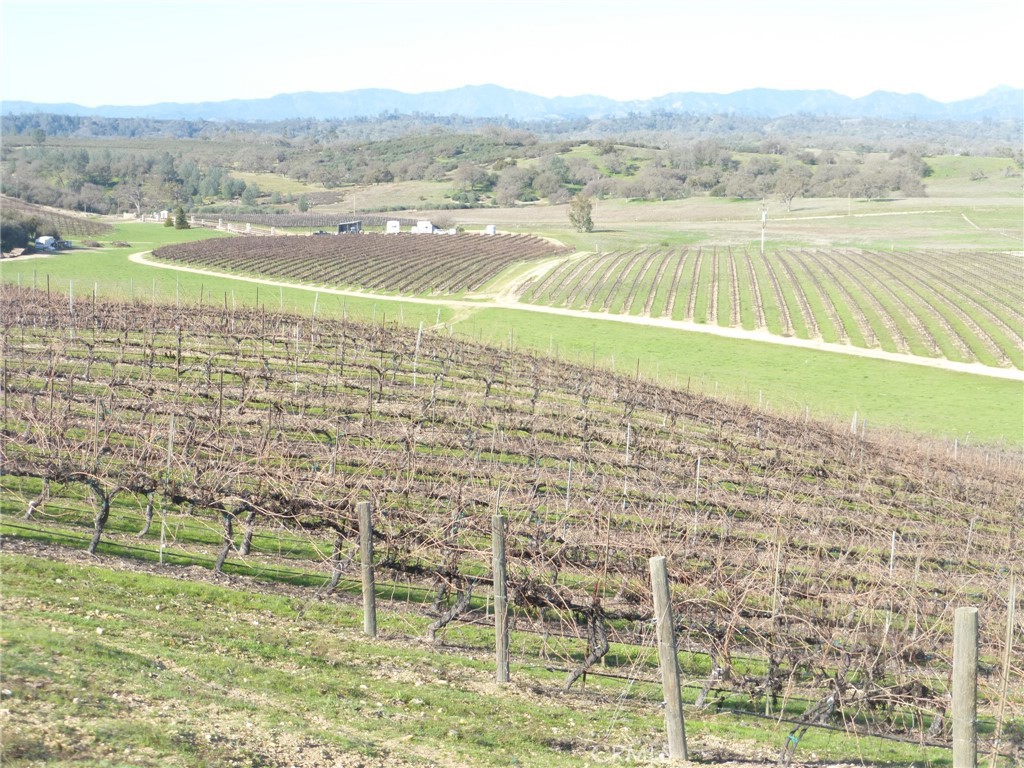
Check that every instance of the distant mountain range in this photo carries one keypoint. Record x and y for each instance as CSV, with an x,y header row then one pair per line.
x,y
483,101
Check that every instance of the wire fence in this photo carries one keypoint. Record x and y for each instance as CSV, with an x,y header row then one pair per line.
x,y
639,674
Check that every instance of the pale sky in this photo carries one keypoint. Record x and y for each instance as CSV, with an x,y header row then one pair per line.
x,y
143,52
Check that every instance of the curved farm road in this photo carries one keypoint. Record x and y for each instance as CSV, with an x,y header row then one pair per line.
x,y
505,298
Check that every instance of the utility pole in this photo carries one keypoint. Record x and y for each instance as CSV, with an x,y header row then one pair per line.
x,y
764,222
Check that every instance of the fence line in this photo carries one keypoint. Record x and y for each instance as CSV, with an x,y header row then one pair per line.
x,y
468,619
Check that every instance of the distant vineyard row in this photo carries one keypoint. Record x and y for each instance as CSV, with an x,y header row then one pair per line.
x,y
68,226
403,263
965,307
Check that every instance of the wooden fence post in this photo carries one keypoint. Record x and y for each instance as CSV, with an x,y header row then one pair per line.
x,y
500,598
366,558
965,688
668,660
1004,684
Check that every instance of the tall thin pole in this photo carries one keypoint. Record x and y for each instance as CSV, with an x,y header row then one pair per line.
x,y
668,660
500,598
965,688
170,443
1011,623
568,487
416,354
696,484
366,559
764,223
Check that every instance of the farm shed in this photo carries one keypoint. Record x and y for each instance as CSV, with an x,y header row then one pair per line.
x,y
392,227
423,228
350,226
46,242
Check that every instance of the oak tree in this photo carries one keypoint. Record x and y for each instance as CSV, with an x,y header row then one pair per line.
x,y
580,209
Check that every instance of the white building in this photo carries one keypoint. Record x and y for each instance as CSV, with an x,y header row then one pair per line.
x,y
392,227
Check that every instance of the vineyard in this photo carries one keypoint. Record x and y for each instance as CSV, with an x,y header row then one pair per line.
x,y
401,263
68,225
814,569
965,307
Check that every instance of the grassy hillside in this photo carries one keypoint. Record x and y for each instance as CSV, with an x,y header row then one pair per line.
x,y
113,661
803,556
923,401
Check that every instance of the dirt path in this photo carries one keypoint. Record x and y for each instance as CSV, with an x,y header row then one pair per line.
x,y
505,298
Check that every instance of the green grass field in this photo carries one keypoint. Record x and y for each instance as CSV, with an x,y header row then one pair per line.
x,y
100,656
832,386
275,182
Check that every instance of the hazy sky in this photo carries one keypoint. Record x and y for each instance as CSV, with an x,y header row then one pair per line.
x,y
142,52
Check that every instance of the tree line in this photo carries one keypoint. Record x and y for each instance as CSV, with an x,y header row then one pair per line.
x,y
106,181
981,137
44,160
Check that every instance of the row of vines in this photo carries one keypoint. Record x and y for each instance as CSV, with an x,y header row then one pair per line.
x,y
964,306
402,263
814,570
68,225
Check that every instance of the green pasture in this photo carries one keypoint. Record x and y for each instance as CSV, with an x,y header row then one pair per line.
x,y
632,158
926,222
275,182
392,197
829,385
967,176
99,660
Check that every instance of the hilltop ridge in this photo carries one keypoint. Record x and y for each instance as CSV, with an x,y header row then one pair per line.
x,y
488,100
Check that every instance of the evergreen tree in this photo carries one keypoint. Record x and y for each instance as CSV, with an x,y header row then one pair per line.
x,y
180,221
